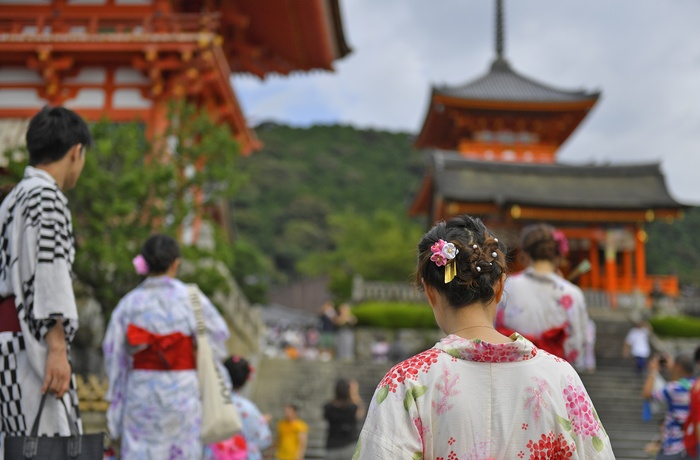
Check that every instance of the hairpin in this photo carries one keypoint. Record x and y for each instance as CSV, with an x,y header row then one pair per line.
x,y
496,240
475,246
562,242
443,255
494,254
140,264
478,268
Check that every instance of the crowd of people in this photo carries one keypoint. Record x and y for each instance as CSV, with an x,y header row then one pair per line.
x,y
501,384
331,337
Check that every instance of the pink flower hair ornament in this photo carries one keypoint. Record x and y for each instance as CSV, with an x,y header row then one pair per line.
x,y
140,265
562,242
443,254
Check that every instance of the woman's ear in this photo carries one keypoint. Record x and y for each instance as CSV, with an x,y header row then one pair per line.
x,y
500,287
431,293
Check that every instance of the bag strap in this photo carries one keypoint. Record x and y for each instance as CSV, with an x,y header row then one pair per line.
x,y
196,304
31,443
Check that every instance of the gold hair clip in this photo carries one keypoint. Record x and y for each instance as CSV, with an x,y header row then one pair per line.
x,y
450,271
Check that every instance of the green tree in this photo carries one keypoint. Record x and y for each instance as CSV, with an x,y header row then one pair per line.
x,y
130,189
380,247
672,248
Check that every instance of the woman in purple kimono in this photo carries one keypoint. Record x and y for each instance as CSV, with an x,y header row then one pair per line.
x,y
149,354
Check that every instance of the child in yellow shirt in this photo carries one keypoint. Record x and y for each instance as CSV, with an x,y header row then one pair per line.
x,y
292,435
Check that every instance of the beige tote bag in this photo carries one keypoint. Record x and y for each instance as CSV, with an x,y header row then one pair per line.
x,y
220,418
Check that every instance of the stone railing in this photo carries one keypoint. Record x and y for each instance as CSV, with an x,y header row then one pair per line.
x,y
92,403
244,321
363,290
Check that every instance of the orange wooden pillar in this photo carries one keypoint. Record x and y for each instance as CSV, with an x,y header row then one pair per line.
x,y
611,269
640,239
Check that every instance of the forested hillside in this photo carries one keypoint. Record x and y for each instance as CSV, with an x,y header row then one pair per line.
x,y
333,200
675,248
309,189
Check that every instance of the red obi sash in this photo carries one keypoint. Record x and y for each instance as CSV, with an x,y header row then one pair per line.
x,y
170,352
551,340
9,321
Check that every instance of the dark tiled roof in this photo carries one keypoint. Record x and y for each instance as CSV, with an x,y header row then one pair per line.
x,y
502,83
550,185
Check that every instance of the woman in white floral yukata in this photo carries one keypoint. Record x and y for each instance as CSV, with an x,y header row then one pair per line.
x,y
540,304
477,394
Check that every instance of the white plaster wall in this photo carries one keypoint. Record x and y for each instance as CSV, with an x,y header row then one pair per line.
x,y
130,99
87,99
19,75
20,99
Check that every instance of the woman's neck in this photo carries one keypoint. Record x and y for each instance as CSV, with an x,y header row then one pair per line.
x,y
475,322
543,267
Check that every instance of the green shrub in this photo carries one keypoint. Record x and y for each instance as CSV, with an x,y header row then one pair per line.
x,y
676,326
395,315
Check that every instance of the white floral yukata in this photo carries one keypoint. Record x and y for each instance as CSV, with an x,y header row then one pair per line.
x,y
157,412
533,303
473,400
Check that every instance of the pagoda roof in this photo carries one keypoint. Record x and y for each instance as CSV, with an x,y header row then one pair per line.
x,y
554,185
502,83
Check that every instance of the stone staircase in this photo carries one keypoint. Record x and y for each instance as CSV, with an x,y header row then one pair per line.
x,y
308,385
614,388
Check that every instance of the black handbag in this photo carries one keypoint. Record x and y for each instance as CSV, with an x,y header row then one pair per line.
x,y
74,447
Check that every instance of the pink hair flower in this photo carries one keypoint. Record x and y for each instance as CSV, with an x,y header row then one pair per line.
x,y
140,265
562,242
443,252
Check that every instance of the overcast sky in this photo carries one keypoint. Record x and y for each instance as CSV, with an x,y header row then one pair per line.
x,y
644,55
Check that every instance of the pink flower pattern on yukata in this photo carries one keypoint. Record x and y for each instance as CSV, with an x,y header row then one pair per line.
x,y
537,397
480,450
580,410
448,389
409,369
555,357
486,352
423,430
550,447
566,301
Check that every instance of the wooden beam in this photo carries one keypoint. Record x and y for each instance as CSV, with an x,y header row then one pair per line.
x,y
455,208
525,212
450,101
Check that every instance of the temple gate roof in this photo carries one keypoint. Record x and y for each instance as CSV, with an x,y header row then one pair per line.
x,y
554,185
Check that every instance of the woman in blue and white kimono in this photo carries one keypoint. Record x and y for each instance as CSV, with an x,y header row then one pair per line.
x,y
150,360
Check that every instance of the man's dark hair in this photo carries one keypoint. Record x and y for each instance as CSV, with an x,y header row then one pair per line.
x,y
53,132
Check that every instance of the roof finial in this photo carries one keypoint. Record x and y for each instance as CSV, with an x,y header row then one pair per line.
x,y
499,29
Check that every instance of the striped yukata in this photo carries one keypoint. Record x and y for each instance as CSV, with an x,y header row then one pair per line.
x,y
36,256
676,395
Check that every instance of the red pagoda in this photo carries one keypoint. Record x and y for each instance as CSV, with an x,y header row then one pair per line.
x,y
492,145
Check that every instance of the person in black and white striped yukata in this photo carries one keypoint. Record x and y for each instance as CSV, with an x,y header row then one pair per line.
x,y
38,314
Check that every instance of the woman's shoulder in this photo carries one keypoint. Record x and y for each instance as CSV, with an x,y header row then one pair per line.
x,y
131,296
553,368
